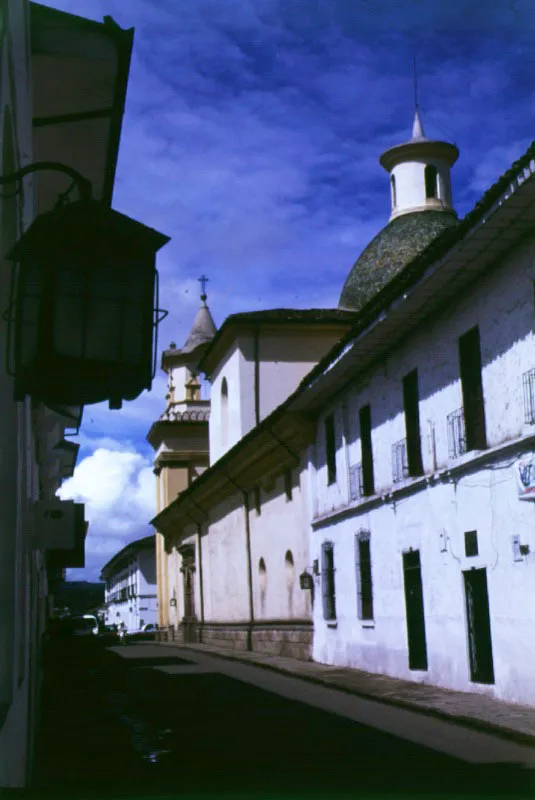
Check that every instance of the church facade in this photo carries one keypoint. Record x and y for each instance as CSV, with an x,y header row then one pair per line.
x,y
385,502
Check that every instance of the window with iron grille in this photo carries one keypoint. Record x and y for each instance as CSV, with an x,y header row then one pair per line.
x,y
356,487
364,575
327,581
528,383
365,422
330,448
400,465
456,433
411,408
472,388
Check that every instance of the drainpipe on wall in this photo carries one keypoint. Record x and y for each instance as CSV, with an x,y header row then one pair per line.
x,y
201,583
249,570
249,561
257,376
201,577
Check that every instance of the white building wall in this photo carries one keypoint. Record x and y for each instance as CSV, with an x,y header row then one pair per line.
x,y
229,369
282,526
435,516
138,578
224,555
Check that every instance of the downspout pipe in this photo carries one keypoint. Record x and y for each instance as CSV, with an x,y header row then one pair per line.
x,y
198,525
247,517
256,347
201,577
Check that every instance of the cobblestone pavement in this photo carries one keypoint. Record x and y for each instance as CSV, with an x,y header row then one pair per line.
x,y
473,710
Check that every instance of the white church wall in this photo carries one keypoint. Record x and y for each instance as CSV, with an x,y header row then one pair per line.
x,y
285,359
280,529
224,555
224,433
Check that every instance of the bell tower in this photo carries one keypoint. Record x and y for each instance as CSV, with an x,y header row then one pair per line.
x,y
419,172
180,435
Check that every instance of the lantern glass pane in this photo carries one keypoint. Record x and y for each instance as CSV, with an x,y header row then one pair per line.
x,y
30,287
69,312
137,322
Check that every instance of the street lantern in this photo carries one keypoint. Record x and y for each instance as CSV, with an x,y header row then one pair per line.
x,y
305,580
84,306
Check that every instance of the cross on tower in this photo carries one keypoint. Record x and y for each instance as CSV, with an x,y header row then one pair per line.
x,y
203,280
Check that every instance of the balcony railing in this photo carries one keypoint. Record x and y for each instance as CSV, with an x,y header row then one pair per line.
x,y
528,384
456,433
400,464
356,485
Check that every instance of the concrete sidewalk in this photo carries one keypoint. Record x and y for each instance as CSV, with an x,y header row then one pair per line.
x,y
473,710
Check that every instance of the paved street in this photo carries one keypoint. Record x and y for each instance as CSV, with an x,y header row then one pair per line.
x,y
157,721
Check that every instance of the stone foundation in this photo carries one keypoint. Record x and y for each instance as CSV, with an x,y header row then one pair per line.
x,y
278,638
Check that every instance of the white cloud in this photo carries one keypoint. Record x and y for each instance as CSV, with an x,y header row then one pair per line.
x,y
118,488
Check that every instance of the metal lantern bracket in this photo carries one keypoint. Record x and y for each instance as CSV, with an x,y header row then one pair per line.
x,y
159,315
94,232
85,189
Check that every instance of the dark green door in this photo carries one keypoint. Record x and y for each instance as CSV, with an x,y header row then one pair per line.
x,y
478,621
414,604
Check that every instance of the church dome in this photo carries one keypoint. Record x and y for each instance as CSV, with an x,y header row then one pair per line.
x,y
422,209
394,247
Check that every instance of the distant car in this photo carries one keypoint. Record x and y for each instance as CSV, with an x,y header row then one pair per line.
x,y
145,633
83,626
108,634
94,622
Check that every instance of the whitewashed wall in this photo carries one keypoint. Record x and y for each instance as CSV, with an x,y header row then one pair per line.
x,y
284,360
435,517
281,527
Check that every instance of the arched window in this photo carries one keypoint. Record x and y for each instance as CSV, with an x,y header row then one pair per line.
x,y
289,569
393,187
430,181
224,412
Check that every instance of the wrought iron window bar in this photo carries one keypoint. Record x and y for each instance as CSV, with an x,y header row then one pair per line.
x,y
400,464
456,433
528,384
356,484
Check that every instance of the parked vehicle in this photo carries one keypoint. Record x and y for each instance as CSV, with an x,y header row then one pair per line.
x,y
94,621
85,625
108,634
145,633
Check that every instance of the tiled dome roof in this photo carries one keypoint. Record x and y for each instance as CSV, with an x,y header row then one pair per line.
x,y
404,238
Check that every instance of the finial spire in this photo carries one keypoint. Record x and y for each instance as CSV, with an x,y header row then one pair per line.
x,y
203,280
417,128
415,84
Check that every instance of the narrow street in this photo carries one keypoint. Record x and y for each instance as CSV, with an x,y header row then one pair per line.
x,y
150,720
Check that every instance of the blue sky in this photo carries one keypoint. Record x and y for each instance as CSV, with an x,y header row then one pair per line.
x,y
251,137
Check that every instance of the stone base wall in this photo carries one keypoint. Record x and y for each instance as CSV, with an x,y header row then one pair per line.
x,y
277,638
293,642
231,637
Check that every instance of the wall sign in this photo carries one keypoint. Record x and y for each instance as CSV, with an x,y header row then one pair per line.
x,y
525,475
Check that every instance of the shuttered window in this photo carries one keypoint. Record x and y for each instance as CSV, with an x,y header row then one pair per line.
x,y
327,581
364,575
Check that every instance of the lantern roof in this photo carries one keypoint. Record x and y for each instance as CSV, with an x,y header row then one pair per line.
x,y
85,224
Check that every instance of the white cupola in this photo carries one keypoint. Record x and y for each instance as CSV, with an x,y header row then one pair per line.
x,y
420,173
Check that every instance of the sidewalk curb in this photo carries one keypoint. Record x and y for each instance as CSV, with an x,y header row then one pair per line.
x,y
469,722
